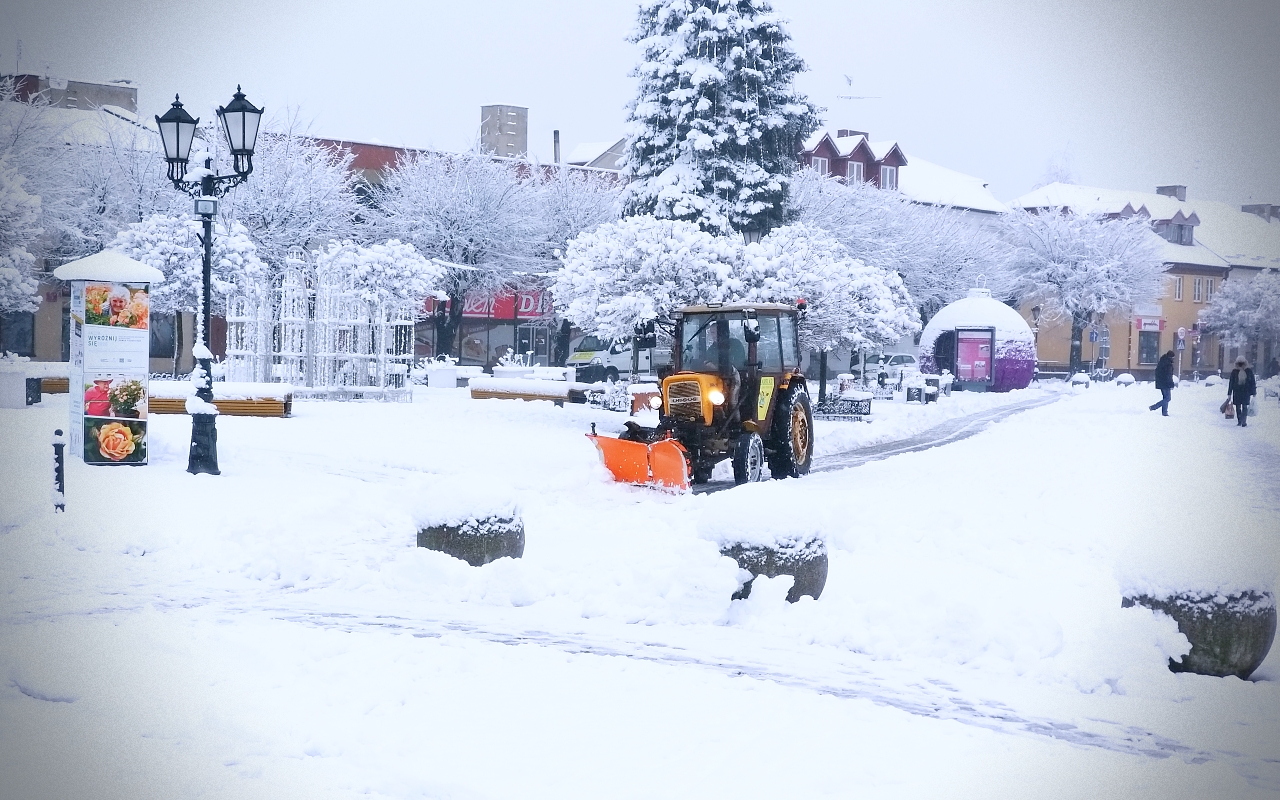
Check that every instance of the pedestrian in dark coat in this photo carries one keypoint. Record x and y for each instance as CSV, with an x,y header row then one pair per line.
x,y
1240,389
1164,382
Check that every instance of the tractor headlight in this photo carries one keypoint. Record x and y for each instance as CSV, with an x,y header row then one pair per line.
x,y
716,397
597,360
655,402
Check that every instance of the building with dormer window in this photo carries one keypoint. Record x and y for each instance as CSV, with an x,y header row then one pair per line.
x,y
1205,243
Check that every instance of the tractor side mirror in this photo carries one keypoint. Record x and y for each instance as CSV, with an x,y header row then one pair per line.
x,y
750,326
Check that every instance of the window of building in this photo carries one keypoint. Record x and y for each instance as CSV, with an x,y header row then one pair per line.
x,y
1177,288
1104,344
1185,234
1148,347
161,327
17,333
1208,295
888,177
1197,293
854,171
819,163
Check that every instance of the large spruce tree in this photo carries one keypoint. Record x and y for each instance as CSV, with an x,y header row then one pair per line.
x,y
714,127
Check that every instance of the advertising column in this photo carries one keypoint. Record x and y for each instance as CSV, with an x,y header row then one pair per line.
x,y
110,347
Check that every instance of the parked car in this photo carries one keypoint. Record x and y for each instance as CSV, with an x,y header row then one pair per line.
x,y
892,364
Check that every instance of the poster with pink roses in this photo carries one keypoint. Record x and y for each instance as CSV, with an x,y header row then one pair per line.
x,y
110,361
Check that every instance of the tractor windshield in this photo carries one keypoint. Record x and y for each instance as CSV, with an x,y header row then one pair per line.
x,y
700,340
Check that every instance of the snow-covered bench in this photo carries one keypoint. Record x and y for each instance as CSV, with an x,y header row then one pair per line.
x,y
232,399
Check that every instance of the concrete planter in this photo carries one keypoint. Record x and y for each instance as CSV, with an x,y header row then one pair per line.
x,y
477,541
1227,638
805,560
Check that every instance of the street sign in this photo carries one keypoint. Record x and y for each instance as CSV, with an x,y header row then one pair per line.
x,y
1093,336
1182,334
1182,343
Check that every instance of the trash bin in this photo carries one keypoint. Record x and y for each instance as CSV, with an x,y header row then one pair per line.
x,y
33,391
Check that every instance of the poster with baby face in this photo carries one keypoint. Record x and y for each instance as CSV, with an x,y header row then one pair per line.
x,y
110,345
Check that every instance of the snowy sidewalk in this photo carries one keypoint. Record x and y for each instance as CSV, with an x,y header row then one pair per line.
x,y
274,632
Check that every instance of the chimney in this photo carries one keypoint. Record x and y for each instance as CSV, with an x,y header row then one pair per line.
x,y
846,132
504,130
1264,210
1176,192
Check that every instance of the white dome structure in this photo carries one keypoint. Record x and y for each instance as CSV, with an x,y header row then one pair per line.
x,y
984,343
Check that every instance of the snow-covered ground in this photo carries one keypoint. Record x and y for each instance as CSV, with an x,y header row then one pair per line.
x,y
274,632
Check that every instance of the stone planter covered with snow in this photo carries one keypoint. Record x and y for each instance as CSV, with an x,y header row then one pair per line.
x,y
1229,634
803,558
985,344
476,540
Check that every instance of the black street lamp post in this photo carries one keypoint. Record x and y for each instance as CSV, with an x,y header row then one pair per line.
x,y
177,131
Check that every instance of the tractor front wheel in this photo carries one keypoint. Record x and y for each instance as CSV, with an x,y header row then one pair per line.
x,y
792,440
748,459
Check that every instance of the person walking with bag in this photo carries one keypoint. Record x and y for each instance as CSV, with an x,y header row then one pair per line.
x,y
1164,382
1240,389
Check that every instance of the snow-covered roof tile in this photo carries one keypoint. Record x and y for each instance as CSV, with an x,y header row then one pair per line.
x,y
845,145
881,149
926,182
813,141
1224,234
587,152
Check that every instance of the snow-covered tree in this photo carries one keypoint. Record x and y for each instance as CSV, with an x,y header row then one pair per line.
x,y
391,270
19,226
570,201
938,253
712,130
473,212
302,193
1079,266
1246,310
172,245
849,303
626,273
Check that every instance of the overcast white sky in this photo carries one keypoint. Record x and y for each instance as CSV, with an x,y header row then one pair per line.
x,y
1129,94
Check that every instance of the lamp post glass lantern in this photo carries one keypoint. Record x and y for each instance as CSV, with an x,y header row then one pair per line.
x,y
240,121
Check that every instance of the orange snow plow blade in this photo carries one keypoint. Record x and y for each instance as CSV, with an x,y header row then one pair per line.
x,y
659,464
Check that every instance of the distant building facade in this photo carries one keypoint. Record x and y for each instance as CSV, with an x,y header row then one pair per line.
x,y
1205,244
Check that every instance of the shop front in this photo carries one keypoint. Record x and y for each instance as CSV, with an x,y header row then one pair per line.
x,y
494,326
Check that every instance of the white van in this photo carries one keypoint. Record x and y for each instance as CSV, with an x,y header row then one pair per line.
x,y
614,355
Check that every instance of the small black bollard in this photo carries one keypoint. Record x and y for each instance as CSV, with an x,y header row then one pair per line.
x,y
59,472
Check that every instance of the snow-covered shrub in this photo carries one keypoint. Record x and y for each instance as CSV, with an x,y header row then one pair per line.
x,y
19,227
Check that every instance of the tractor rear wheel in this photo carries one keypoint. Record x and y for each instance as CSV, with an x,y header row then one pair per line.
x,y
792,440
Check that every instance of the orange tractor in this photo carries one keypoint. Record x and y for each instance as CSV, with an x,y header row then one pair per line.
x,y
734,391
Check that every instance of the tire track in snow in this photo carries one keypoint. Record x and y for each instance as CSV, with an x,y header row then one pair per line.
x,y
952,430
843,680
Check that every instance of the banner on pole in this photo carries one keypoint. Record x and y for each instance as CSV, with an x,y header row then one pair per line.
x,y
110,360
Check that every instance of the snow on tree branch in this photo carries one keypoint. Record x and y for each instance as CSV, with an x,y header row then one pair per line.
x,y
1246,309
172,245
391,270
712,130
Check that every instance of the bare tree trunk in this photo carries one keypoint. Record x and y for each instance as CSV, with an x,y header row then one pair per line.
x,y
822,377
1078,323
177,340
